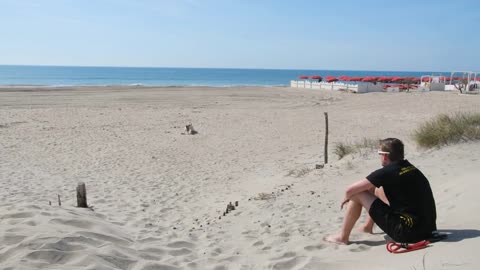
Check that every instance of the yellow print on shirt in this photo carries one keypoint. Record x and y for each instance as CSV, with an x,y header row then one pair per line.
x,y
407,169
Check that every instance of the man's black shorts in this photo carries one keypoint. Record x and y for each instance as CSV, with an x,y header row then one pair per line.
x,y
401,227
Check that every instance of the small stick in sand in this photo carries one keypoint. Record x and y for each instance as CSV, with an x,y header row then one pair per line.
x,y
59,201
326,138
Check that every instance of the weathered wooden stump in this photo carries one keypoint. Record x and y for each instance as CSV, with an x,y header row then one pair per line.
x,y
81,195
189,130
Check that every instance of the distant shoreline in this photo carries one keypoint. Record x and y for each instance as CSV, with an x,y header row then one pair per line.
x,y
34,86
59,76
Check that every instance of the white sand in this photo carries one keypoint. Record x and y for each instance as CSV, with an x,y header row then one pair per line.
x,y
158,195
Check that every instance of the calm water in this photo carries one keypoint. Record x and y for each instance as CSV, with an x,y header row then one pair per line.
x,y
102,76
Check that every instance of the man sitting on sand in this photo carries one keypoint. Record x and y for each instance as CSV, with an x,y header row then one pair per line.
x,y
398,198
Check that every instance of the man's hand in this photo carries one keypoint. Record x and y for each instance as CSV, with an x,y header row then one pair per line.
x,y
344,202
355,188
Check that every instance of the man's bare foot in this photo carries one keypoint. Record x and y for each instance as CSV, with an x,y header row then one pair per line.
x,y
336,239
366,229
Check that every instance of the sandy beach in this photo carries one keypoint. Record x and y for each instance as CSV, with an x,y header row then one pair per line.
x,y
157,196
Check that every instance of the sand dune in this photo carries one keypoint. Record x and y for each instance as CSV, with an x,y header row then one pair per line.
x,y
158,196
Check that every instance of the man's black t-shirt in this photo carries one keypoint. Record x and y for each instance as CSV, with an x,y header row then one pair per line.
x,y
408,191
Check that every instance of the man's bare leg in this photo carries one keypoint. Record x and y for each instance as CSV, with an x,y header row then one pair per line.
x,y
368,225
354,209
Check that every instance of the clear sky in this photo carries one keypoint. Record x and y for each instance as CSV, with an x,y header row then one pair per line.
x,y
280,34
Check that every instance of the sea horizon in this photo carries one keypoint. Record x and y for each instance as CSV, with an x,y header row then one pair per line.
x,y
64,76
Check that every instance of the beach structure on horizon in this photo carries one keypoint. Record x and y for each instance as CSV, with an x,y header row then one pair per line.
x,y
468,82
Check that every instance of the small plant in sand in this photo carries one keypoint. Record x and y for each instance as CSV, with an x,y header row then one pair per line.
x,y
299,172
343,149
447,129
262,196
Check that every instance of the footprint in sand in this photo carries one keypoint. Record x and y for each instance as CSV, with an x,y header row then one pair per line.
x,y
31,223
180,252
220,267
121,261
291,263
359,248
157,266
285,255
181,244
314,248
258,243
50,256
216,252
8,239
63,245
18,215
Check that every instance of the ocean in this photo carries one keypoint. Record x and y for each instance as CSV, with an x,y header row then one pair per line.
x,y
106,76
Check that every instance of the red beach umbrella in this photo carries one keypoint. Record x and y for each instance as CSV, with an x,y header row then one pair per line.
x,y
397,79
416,80
426,79
389,79
316,77
383,79
303,77
356,79
369,79
408,79
331,79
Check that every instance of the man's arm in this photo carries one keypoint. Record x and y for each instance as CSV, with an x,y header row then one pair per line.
x,y
357,187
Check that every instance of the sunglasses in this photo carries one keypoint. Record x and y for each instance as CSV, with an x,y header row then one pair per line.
x,y
383,152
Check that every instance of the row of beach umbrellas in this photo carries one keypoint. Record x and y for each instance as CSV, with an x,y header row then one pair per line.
x,y
384,79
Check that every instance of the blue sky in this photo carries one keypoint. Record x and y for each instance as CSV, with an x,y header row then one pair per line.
x,y
352,35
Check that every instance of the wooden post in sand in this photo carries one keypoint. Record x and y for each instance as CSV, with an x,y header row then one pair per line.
x,y
325,153
81,195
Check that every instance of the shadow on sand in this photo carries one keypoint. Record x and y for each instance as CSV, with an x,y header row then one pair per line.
x,y
455,235
369,242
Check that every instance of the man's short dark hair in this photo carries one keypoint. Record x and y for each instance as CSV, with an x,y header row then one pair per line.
x,y
394,147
